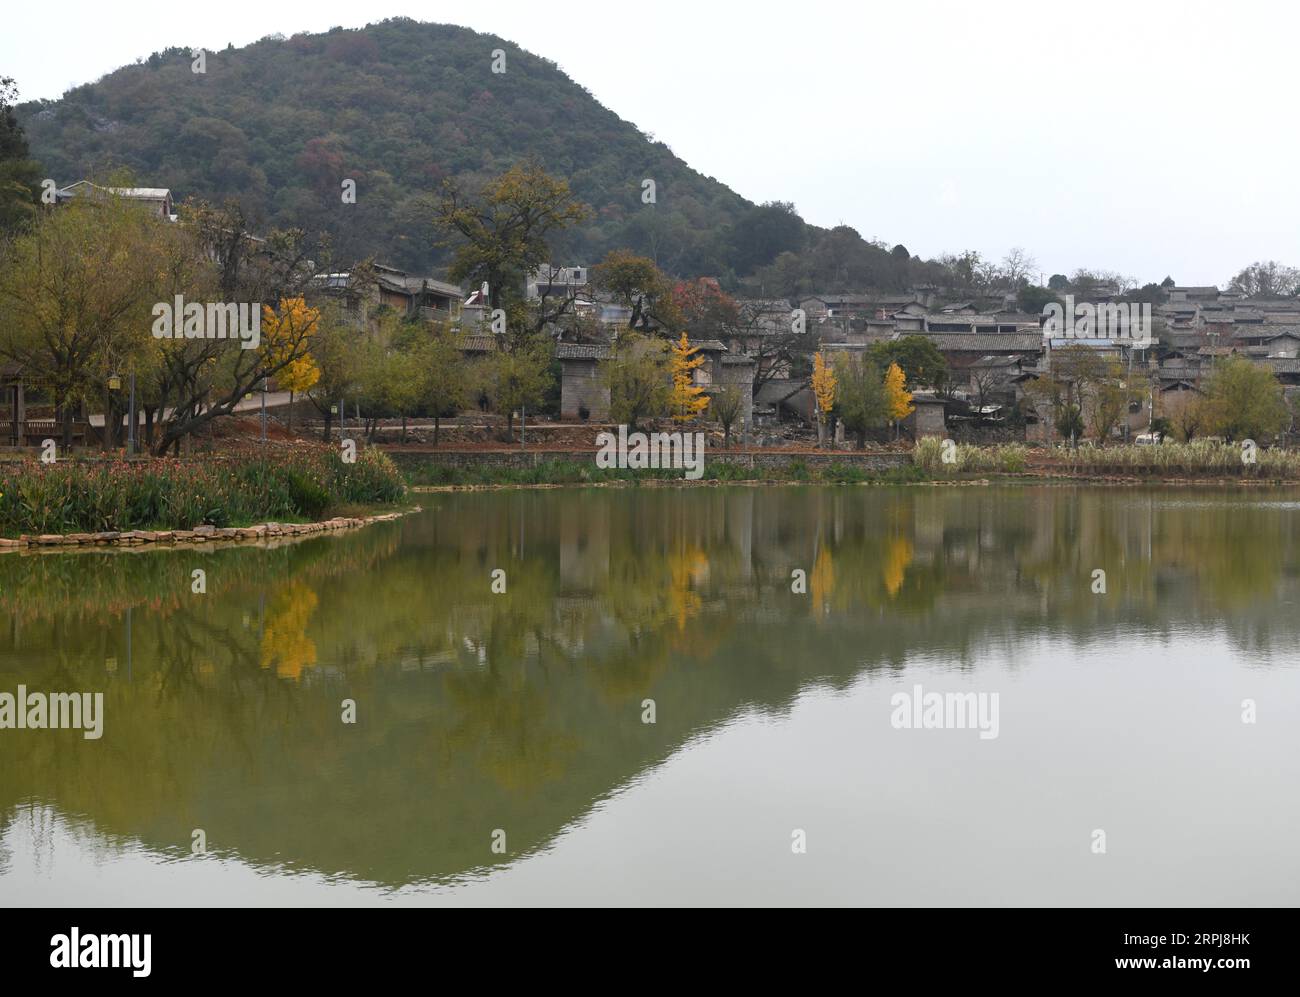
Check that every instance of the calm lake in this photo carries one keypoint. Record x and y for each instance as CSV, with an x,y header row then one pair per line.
x,y
1146,748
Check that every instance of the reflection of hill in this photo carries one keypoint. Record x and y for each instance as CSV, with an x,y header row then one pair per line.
x,y
478,711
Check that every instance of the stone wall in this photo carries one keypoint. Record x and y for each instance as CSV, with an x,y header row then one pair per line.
x,y
881,461
580,385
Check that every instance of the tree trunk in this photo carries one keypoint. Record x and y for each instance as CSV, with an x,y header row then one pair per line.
x,y
148,426
436,421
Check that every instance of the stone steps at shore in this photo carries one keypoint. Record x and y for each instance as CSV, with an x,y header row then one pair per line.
x,y
198,535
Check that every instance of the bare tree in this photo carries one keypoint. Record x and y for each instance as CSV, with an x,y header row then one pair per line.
x,y
1266,279
1017,267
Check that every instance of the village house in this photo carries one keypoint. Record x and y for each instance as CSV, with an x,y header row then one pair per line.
x,y
409,296
927,417
157,200
549,281
1192,294
583,394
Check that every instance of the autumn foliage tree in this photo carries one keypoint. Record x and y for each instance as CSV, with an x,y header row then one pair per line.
x,y
823,384
688,399
705,308
897,397
499,235
639,286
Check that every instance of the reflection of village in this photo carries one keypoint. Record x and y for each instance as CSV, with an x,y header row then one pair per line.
x,y
521,709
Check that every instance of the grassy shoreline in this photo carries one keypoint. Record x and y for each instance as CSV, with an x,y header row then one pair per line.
x,y
933,462
307,485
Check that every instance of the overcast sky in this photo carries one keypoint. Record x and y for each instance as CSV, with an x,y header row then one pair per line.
x,y
1143,137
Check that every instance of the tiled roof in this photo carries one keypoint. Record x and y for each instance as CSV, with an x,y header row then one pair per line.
x,y
581,351
478,344
985,343
737,358
1265,331
1282,365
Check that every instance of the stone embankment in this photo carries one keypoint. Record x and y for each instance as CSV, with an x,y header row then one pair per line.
x,y
198,535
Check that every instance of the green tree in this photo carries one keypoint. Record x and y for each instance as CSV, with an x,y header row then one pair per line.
x,y
1107,401
1032,299
20,179
860,399
503,230
922,364
443,388
76,292
515,380
339,350
763,233
637,375
1243,400
639,285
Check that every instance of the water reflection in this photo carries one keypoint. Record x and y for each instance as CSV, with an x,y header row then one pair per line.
x,y
521,710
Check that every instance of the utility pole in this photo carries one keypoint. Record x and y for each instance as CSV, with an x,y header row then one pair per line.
x,y
130,436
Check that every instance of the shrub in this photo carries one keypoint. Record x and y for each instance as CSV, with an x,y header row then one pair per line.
x,y
94,496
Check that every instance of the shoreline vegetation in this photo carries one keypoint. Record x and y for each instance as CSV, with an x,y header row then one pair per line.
x,y
215,497
1198,462
84,503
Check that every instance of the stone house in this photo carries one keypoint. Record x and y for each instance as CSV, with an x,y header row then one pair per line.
x,y
927,418
582,393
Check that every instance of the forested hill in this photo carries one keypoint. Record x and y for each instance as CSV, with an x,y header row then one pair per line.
x,y
397,106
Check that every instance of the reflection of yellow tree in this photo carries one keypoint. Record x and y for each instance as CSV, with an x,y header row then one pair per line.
x,y
285,644
687,568
897,557
822,582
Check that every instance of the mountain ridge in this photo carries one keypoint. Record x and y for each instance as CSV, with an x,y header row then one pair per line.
x,y
396,106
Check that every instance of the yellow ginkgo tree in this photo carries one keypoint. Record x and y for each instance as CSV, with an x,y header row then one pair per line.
x,y
897,397
688,399
823,384
283,333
